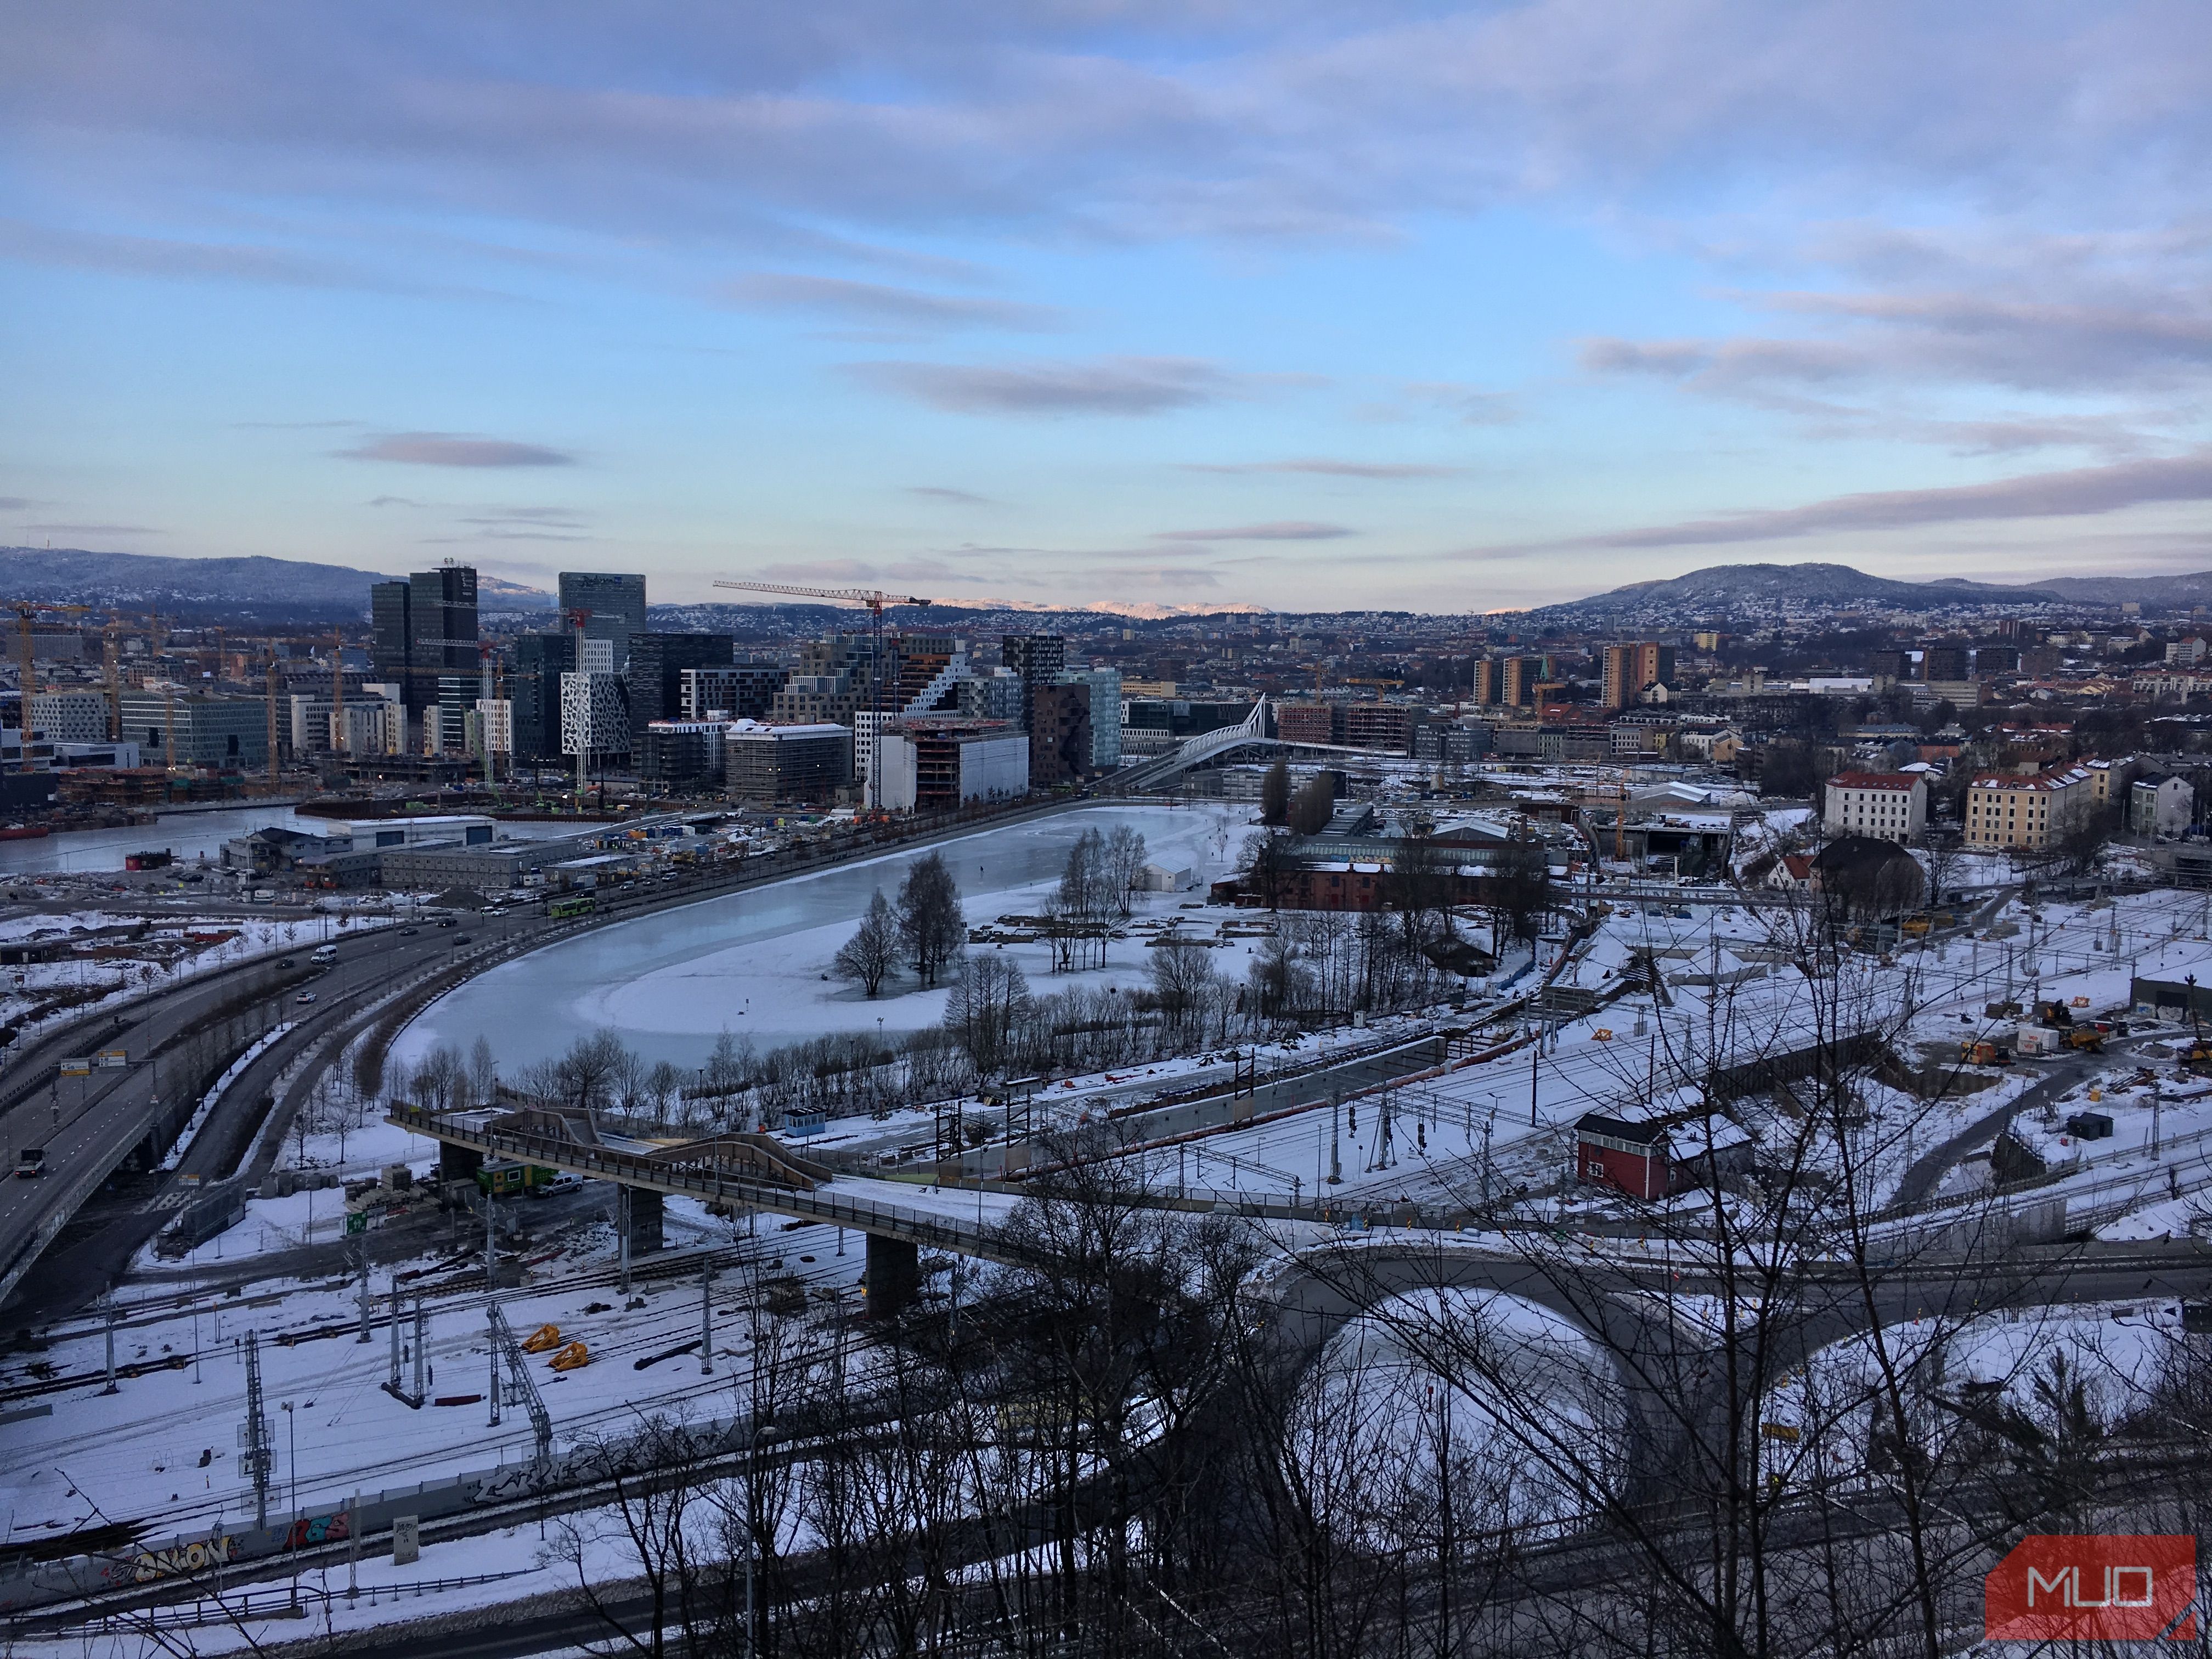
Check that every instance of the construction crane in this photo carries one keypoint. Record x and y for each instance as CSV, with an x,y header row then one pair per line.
x,y
27,672
875,599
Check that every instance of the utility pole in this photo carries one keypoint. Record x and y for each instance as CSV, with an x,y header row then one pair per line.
x,y
524,1386
705,1319
111,1387
622,1231
1335,1142
1535,1056
1487,1124
363,1337
257,1458
392,1386
491,1245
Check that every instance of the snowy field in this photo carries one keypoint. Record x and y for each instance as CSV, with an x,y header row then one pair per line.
x,y
758,964
174,950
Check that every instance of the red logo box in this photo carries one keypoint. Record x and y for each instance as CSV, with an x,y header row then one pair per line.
x,y
2115,1588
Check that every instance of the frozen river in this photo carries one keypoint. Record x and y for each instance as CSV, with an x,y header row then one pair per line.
x,y
757,963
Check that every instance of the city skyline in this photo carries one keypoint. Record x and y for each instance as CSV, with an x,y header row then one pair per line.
x,y
1483,309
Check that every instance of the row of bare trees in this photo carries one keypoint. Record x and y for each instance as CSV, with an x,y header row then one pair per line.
x,y
1779,1419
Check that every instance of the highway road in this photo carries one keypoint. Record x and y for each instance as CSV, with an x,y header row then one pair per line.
x,y
88,1126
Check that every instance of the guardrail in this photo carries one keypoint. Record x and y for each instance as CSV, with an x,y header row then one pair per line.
x,y
716,1185
921,1227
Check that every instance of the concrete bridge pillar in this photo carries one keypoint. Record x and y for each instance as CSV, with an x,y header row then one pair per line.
x,y
641,1218
457,1163
894,1275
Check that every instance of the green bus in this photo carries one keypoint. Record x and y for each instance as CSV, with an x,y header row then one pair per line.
x,y
571,905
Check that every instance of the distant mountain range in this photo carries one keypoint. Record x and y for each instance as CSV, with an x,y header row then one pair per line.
x,y
258,586
1724,587
300,589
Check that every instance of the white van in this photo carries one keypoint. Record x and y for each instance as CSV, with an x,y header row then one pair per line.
x,y
324,955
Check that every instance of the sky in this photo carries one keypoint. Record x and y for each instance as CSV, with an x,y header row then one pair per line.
x,y
1311,306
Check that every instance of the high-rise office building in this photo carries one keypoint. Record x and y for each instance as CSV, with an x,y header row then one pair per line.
x,y
1060,733
442,620
1105,685
391,642
534,687
657,663
594,724
616,601
1039,660
743,691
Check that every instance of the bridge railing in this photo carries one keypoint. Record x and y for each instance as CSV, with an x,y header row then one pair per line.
x,y
701,1179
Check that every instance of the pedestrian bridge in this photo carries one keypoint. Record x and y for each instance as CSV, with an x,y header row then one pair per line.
x,y
1251,732
757,1172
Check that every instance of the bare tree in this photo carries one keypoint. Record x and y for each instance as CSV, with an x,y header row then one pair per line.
x,y
930,920
869,956
985,1010
483,1073
592,1065
1182,976
1125,856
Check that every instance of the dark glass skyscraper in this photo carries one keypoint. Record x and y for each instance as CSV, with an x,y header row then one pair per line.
x,y
617,603
391,645
657,662
540,660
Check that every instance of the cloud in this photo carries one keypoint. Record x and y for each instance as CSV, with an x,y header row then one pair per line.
x,y
15,503
176,257
1104,386
1473,406
455,449
1326,468
941,493
97,529
2035,343
2078,493
1289,530
881,302
395,500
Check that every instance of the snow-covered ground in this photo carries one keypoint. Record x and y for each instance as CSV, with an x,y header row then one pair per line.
x,y
137,1453
758,964
172,950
